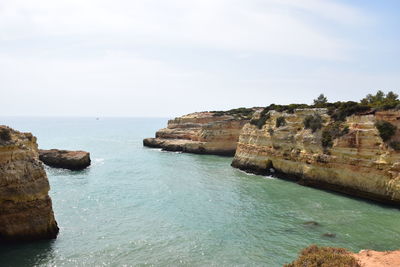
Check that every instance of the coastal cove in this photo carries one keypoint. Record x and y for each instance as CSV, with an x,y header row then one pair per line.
x,y
136,205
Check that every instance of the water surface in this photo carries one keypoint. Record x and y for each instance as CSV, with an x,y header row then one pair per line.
x,y
140,206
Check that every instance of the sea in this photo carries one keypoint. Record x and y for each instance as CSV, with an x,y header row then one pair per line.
x,y
136,206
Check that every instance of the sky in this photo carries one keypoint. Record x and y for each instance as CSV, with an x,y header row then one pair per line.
x,y
165,58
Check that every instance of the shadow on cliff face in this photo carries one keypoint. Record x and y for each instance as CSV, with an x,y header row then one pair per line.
x,y
27,254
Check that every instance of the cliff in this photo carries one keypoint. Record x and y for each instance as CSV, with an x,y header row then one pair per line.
x,y
202,132
349,157
25,207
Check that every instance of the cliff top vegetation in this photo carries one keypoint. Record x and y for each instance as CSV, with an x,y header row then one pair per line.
x,y
245,113
337,110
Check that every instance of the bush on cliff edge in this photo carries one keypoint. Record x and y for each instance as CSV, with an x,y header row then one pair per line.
x,y
386,130
314,256
5,134
260,122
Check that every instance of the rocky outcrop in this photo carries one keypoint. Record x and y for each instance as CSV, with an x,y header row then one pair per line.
x,y
334,257
72,160
355,161
202,132
372,258
25,207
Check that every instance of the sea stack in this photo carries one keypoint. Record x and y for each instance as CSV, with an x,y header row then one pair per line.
x,y
72,160
214,133
26,211
356,155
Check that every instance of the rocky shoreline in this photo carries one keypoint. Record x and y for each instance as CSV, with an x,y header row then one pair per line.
x,y
345,155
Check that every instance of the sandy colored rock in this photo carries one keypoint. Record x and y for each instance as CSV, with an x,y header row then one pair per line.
x,y
72,160
371,258
359,162
25,207
200,132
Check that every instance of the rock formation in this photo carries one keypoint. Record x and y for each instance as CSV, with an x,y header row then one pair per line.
x,y
372,258
334,257
72,160
25,207
349,157
202,132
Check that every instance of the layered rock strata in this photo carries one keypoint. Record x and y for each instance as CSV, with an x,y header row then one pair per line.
x,y
358,162
25,207
72,160
201,132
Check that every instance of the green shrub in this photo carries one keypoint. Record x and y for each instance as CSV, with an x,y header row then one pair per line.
x,y
331,132
313,122
386,129
260,122
395,145
327,139
280,121
321,101
246,113
5,134
381,100
314,256
340,110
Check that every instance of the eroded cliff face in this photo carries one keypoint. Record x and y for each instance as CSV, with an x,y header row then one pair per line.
x,y
201,132
25,207
358,162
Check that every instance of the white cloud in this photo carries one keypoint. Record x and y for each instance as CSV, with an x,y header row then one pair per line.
x,y
269,26
138,57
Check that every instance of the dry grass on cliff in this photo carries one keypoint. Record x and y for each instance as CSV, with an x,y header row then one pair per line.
x,y
314,256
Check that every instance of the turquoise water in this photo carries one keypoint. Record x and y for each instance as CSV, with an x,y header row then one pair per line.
x,y
139,206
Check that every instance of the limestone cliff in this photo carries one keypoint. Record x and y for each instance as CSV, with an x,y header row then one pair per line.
x,y
356,161
25,207
202,132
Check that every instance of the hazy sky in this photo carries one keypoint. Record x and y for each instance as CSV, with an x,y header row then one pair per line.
x,y
171,57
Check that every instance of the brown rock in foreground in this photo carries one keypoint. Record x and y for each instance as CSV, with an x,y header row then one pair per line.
x,y
371,258
214,133
25,207
334,257
72,160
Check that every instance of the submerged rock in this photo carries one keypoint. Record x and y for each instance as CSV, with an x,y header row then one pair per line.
x,y
26,211
72,160
311,223
331,235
